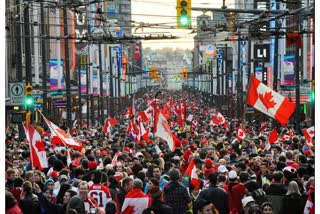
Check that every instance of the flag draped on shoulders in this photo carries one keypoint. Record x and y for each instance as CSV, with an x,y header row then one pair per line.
x,y
135,202
37,147
269,102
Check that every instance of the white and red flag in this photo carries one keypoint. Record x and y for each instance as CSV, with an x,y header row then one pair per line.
x,y
108,124
65,138
241,134
309,207
135,202
273,136
146,115
37,147
162,130
132,110
192,172
115,158
144,133
309,133
269,102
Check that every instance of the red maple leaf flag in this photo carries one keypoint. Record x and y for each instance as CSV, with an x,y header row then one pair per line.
x,y
38,153
162,130
65,138
192,172
273,136
241,134
309,133
269,102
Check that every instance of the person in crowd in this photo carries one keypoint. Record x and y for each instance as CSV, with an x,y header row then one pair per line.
x,y
266,208
292,202
29,202
157,206
11,204
136,201
216,195
175,194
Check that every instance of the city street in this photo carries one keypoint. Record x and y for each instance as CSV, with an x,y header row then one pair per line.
x,y
146,106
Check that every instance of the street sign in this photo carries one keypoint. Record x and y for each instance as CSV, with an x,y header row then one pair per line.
x,y
16,93
262,52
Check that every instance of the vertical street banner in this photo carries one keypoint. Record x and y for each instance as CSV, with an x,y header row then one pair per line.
x,y
95,84
138,54
288,71
83,81
56,75
104,85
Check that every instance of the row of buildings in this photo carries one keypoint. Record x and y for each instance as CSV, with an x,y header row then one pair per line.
x,y
81,55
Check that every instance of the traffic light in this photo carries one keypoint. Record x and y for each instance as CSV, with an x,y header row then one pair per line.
x,y
28,98
312,92
184,73
184,14
153,71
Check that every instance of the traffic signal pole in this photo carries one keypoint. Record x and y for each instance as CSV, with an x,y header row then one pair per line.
x,y
66,49
27,49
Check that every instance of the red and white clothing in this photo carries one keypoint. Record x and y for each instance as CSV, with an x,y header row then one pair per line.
x,y
101,194
135,202
89,203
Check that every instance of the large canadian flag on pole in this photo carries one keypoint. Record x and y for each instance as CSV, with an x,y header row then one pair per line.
x,y
269,102
62,135
38,151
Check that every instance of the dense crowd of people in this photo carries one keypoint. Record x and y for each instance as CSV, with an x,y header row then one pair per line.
x,y
114,173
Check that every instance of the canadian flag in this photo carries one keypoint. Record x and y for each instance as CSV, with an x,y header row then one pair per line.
x,y
37,147
131,111
62,135
162,130
115,158
309,134
309,207
108,124
143,132
262,127
273,136
135,202
146,115
241,134
269,102
192,172
285,138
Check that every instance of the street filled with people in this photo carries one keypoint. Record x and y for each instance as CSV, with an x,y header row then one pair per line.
x,y
168,152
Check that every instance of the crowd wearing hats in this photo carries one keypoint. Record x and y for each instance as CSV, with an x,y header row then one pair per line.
x,y
206,169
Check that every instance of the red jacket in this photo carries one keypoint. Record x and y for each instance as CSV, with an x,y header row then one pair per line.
x,y
238,192
14,210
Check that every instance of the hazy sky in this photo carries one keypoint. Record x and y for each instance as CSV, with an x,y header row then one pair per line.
x,y
164,12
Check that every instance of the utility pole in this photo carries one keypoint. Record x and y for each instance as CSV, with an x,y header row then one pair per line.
x,y
80,96
44,61
101,87
87,87
239,90
27,47
66,49
111,82
297,74
19,52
